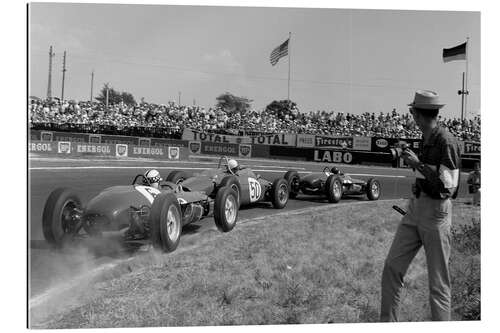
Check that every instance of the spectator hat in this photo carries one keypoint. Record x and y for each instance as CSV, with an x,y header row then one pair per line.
x,y
427,100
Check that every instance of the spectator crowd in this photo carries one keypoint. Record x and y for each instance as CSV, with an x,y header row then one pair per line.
x,y
169,120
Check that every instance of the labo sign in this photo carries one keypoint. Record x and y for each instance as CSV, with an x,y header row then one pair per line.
x,y
332,156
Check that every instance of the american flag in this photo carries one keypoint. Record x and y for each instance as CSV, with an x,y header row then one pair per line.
x,y
279,52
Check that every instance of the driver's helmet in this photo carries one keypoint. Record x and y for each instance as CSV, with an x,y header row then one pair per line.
x,y
335,170
232,165
154,178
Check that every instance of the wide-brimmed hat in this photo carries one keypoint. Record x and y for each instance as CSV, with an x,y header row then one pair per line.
x,y
427,100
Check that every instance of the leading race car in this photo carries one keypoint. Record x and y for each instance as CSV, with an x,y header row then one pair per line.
x,y
138,213
249,186
331,183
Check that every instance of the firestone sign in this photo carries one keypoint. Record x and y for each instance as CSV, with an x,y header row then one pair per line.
x,y
338,142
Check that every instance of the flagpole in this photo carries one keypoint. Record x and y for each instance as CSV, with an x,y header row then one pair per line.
x,y
289,60
466,74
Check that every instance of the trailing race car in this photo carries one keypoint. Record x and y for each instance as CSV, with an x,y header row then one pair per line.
x,y
249,186
331,183
139,213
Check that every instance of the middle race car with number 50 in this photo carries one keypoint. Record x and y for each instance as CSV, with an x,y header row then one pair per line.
x,y
249,186
331,183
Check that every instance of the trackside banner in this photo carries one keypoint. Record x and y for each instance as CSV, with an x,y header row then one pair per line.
x,y
245,150
470,147
217,148
93,149
385,144
37,135
362,143
324,141
274,139
116,139
69,148
262,139
62,148
333,156
138,151
349,157
158,142
42,147
70,137
161,153
305,140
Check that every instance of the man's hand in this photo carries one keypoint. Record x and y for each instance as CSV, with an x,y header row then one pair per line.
x,y
410,158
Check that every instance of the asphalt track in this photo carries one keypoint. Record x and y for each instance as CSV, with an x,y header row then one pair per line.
x,y
88,177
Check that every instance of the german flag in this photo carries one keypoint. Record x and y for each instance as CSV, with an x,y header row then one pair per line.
x,y
455,53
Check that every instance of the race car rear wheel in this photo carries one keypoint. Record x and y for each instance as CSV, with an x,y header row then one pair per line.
x,y
333,188
279,193
234,183
166,222
373,189
226,209
61,219
293,179
177,176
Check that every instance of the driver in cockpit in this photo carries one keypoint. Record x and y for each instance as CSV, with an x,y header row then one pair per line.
x,y
232,166
152,178
336,171
346,179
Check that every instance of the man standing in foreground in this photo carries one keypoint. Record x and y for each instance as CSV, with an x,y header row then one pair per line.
x,y
428,220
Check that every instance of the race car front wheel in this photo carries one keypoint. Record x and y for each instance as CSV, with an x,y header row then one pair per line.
x,y
373,189
333,188
279,193
166,222
293,179
61,219
234,183
226,209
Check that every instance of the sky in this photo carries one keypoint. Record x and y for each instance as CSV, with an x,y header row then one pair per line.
x,y
341,60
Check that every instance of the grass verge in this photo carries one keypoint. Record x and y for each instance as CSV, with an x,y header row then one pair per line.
x,y
313,267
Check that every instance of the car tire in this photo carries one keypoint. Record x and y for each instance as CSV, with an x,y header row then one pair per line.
x,y
279,193
333,188
234,183
176,176
226,209
166,222
293,179
373,189
59,206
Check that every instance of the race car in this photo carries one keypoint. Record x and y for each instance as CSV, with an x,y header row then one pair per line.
x,y
136,213
249,186
331,183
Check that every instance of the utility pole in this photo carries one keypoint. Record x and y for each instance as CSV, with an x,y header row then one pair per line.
x,y
49,84
63,76
91,86
179,98
107,94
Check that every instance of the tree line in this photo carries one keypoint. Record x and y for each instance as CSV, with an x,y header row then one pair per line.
x,y
228,102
